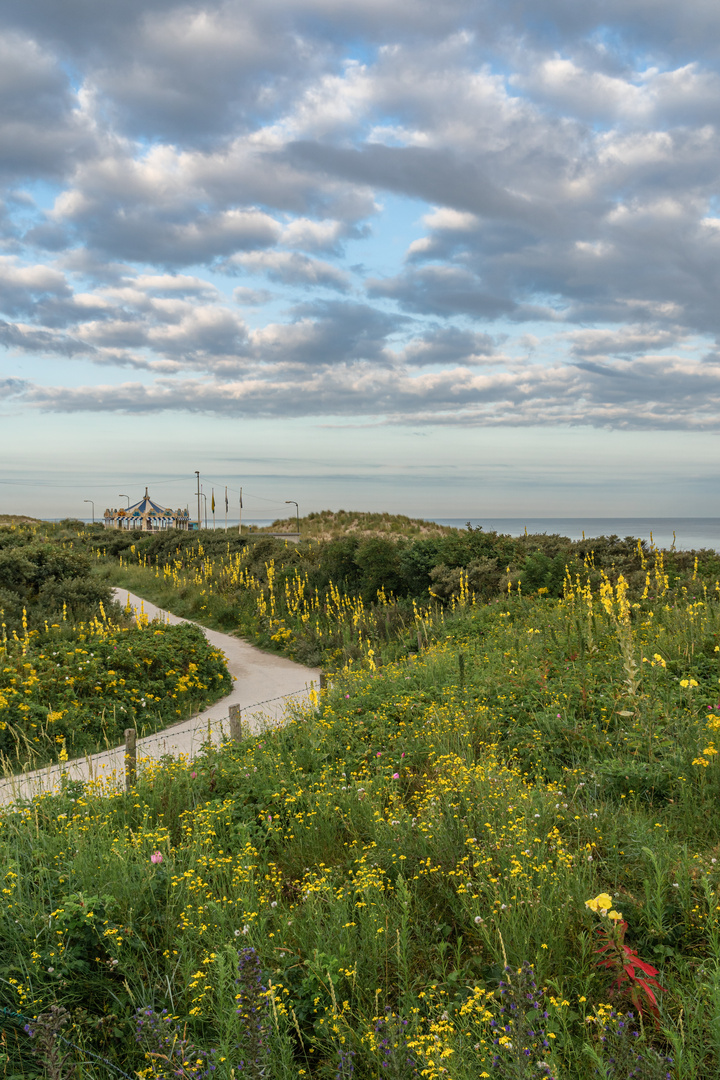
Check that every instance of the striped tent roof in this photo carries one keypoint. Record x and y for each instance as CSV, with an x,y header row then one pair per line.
x,y
147,506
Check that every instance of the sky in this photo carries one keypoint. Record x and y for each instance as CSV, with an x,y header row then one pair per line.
x,y
454,259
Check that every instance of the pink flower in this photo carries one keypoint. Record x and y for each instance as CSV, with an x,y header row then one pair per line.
x,y
396,776
403,754
379,753
156,857
193,776
269,818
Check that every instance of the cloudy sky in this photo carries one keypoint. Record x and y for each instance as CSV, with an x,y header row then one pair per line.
x,y
457,258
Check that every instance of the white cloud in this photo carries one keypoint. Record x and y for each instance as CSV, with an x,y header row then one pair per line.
x,y
537,174
292,268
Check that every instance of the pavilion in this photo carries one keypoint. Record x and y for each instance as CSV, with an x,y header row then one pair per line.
x,y
147,516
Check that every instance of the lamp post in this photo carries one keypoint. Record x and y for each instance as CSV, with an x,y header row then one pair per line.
x,y
93,508
125,497
204,496
297,513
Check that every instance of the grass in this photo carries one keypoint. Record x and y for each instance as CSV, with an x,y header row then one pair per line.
x,y
18,519
332,632
74,687
334,524
374,888
359,599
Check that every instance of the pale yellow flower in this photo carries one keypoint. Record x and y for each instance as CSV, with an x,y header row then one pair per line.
x,y
600,904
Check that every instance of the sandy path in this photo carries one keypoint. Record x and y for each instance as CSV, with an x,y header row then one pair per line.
x,y
264,685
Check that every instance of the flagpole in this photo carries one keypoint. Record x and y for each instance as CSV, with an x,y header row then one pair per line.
x,y
240,517
213,508
226,508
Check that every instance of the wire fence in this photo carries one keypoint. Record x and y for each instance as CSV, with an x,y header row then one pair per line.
x,y
112,760
210,723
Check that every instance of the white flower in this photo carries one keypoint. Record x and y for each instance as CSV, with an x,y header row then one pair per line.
x,y
478,920
273,903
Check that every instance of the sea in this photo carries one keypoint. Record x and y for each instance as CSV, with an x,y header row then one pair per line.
x,y
686,534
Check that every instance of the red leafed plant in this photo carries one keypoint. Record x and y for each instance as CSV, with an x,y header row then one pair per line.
x,y
632,974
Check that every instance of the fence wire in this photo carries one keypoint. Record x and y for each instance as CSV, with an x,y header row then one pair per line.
x,y
115,756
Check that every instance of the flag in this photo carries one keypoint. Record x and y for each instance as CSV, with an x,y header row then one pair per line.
x,y
226,500
241,498
212,505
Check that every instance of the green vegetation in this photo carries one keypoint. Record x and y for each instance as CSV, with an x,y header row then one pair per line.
x,y
340,600
75,671
75,688
45,578
18,519
334,524
339,896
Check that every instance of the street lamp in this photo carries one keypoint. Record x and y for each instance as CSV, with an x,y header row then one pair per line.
x,y
297,513
93,506
125,497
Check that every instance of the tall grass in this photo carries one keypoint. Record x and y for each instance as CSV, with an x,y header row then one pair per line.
x,y
374,888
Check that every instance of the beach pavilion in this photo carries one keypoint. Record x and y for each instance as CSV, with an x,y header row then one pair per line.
x,y
147,516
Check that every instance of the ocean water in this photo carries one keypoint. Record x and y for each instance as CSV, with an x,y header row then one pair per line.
x,y
685,533
689,533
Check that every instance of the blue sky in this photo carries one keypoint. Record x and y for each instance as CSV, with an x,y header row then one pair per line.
x,y
455,260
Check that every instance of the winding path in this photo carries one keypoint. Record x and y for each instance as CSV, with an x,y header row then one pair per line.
x,y
264,685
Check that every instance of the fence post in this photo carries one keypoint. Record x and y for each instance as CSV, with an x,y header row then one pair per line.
x,y
419,641
234,715
323,680
130,757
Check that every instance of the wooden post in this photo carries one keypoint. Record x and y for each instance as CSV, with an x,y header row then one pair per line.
x,y
323,681
419,641
130,757
234,714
